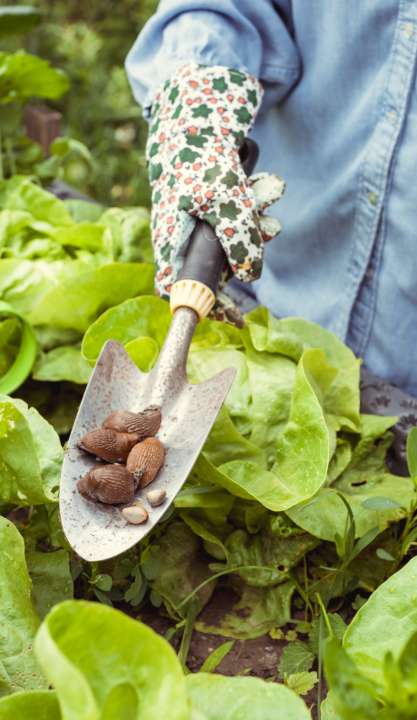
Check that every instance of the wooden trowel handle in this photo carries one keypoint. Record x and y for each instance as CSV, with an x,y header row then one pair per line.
x,y
197,284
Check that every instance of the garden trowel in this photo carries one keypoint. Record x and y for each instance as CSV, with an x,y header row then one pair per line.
x,y
97,531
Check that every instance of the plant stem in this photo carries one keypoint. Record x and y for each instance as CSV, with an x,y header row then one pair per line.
x,y
320,665
186,637
324,614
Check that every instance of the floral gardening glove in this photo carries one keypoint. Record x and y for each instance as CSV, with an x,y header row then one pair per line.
x,y
199,120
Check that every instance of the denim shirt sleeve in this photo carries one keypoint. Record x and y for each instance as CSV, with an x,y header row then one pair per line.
x,y
248,35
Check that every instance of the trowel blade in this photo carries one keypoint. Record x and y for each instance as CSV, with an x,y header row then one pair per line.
x,y
99,532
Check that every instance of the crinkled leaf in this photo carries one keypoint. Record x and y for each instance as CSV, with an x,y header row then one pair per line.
x,y
51,578
255,613
204,364
363,484
303,447
62,363
23,283
296,658
271,379
302,453
267,549
212,542
20,193
319,631
173,568
130,229
301,682
291,336
226,443
19,621
30,455
138,317
77,302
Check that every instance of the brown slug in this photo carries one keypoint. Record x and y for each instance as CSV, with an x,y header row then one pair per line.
x,y
110,484
108,444
145,460
145,424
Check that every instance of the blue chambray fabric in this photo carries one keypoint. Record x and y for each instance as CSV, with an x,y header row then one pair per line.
x,y
339,123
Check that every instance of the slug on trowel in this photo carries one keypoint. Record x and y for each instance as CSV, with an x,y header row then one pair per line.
x,y
125,437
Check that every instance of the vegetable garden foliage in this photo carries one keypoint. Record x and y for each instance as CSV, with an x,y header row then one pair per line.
x,y
89,41
25,77
290,506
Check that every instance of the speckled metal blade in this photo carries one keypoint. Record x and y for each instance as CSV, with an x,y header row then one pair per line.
x,y
96,531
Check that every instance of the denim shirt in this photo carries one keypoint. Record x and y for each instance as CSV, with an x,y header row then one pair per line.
x,y
339,124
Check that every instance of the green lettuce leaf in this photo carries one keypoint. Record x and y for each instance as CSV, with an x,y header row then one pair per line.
x,y
76,302
302,453
255,612
206,362
19,621
213,543
173,566
103,664
84,210
62,363
225,442
144,352
271,381
62,272
213,697
353,695
291,336
19,349
138,317
51,578
35,704
365,478
10,334
23,76
267,549
30,455
130,229
384,624
21,194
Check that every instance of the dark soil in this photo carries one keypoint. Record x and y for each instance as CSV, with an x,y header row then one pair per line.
x,y
258,657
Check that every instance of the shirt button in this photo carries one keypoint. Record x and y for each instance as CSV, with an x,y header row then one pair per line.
x,y
408,30
372,198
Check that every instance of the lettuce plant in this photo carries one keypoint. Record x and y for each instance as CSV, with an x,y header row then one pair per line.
x,y
104,666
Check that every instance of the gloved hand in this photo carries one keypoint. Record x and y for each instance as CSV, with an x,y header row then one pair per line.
x,y
199,120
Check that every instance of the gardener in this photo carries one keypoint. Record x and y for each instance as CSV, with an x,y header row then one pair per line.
x,y
329,90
